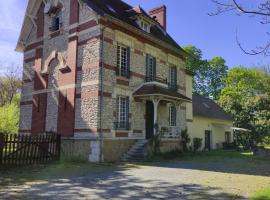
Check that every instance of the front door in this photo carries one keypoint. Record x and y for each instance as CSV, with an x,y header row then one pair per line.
x,y
149,120
207,140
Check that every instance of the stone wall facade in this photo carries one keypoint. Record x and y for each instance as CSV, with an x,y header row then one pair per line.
x,y
70,85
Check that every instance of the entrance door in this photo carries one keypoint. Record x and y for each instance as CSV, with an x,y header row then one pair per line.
x,y
207,140
149,120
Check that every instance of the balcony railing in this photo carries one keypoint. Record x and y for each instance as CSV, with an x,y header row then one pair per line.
x,y
122,125
156,79
173,132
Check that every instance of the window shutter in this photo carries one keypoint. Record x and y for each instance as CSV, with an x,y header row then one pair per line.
x,y
147,66
127,112
175,76
154,68
128,62
118,60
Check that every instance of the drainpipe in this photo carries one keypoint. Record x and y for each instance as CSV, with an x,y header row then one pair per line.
x,y
101,136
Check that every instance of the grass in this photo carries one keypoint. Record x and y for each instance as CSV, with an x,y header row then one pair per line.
x,y
262,195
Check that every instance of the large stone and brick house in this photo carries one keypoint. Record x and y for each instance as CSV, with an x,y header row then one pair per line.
x,y
103,73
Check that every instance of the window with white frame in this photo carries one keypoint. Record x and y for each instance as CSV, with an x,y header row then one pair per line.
x,y
172,112
173,77
150,68
122,112
145,26
123,60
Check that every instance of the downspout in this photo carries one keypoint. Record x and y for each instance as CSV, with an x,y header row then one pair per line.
x,y
101,136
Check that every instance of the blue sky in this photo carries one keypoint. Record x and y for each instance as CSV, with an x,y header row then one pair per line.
x,y
188,22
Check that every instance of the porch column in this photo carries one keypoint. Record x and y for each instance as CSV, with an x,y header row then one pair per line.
x,y
155,102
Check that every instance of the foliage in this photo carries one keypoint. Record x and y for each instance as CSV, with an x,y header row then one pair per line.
x,y
197,144
208,73
185,139
262,194
245,98
9,118
10,85
156,140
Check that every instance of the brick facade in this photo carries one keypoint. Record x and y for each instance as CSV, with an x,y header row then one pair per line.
x,y
63,89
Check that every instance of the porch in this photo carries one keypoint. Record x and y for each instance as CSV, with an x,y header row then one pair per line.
x,y
163,106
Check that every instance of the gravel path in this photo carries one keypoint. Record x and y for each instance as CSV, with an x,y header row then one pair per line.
x,y
181,181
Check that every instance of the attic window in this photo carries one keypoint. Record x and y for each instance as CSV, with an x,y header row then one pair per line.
x,y
145,26
206,105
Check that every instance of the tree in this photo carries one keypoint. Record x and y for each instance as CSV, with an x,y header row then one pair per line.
x,y
10,85
245,98
208,73
9,118
261,10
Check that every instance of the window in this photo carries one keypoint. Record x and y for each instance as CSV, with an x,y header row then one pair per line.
x,y
122,113
228,137
56,21
150,68
172,111
145,26
123,56
173,78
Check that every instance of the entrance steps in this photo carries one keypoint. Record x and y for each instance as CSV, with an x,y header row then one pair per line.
x,y
136,152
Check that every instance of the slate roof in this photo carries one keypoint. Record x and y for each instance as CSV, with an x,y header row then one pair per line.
x,y
122,11
159,90
206,107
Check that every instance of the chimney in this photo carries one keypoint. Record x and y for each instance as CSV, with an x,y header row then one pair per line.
x,y
160,15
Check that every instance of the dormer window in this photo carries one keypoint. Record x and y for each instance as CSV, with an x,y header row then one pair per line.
x,y
145,26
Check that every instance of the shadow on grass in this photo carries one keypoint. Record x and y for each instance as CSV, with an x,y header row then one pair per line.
x,y
108,182
217,161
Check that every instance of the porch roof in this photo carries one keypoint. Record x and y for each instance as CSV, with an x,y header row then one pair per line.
x,y
156,90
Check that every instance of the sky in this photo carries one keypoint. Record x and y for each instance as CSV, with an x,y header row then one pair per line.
x,y
188,23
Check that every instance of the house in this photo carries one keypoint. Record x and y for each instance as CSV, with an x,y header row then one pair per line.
x,y
101,73
210,123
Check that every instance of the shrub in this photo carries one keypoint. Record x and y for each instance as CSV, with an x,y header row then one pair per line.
x,y
197,144
185,139
9,119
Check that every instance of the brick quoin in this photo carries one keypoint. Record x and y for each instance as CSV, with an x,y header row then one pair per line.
x,y
39,106
66,109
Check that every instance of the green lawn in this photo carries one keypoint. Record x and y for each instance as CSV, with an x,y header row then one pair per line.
x,y
262,195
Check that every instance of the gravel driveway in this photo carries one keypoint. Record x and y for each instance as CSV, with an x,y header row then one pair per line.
x,y
175,180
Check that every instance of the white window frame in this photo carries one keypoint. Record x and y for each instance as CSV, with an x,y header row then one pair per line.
x,y
150,67
172,75
145,26
122,111
173,116
122,57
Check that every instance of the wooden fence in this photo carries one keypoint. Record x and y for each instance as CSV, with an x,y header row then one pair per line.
x,y
26,150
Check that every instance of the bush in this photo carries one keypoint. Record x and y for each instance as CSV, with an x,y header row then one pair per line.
x,y
9,119
185,138
197,144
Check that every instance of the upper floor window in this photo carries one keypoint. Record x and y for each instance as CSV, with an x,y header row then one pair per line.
x,y
150,68
172,113
56,21
123,61
173,77
122,113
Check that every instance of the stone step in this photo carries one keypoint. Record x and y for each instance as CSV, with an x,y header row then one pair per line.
x,y
136,152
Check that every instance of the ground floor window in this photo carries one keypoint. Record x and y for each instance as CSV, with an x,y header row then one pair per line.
x,y
122,109
172,112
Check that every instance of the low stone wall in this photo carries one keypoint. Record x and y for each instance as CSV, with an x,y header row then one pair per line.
x,y
114,149
167,145
80,149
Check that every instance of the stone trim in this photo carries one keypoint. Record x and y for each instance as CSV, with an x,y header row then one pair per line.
x,y
137,131
86,41
92,130
108,40
139,52
93,94
34,45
